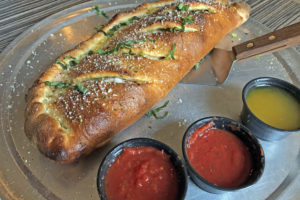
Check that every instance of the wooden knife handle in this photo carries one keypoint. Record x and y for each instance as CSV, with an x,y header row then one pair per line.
x,y
270,42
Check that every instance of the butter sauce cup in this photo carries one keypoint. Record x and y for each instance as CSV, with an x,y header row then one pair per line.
x,y
247,139
259,128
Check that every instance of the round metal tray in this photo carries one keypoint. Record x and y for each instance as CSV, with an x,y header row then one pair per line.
x,y
26,174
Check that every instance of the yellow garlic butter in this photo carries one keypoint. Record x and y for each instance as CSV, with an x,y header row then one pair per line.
x,y
275,107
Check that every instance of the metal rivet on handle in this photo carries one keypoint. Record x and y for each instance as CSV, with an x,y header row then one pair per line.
x,y
272,37
250,44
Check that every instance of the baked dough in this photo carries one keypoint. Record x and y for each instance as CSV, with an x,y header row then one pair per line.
x,y
106,83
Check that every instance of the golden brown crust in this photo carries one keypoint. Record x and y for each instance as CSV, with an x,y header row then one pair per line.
x,y
127,77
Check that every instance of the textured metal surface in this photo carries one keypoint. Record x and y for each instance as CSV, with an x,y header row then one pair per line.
x,y
18,15
26,174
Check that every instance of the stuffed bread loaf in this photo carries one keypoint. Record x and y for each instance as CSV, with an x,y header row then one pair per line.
x,y
108,82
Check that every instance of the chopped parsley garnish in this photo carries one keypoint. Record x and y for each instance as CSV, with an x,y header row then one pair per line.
x,y
233,35
104,15
140,41
141,55
97,10
124,44
101,52
73,61
64,66
201,61
132,19
112,30
100,12
171,54
69,57
202,11
128,43
182,7
152,40
99,29
156,110
104,32
196,66
119,45
63,85
186,20
80,88
58,84
175,29
116,27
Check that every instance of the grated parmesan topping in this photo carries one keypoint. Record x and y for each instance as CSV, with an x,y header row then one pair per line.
x,y
134,60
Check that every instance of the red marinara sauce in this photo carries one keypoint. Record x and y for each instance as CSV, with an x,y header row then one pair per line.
x,y
219,156
141,173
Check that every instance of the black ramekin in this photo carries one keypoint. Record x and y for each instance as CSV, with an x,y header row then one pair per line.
x,y
145,142
234,127
258,127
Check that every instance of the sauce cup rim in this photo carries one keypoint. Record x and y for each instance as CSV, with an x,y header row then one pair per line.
x,y
151,142
248,87
205,120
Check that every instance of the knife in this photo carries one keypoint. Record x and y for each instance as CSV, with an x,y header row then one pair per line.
x,y
216,66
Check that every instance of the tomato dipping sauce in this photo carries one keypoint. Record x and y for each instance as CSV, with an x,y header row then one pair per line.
x,y
142,173
219,157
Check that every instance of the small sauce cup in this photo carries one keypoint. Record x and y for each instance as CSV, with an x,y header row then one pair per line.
x,y
241,134
259,128
133,144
